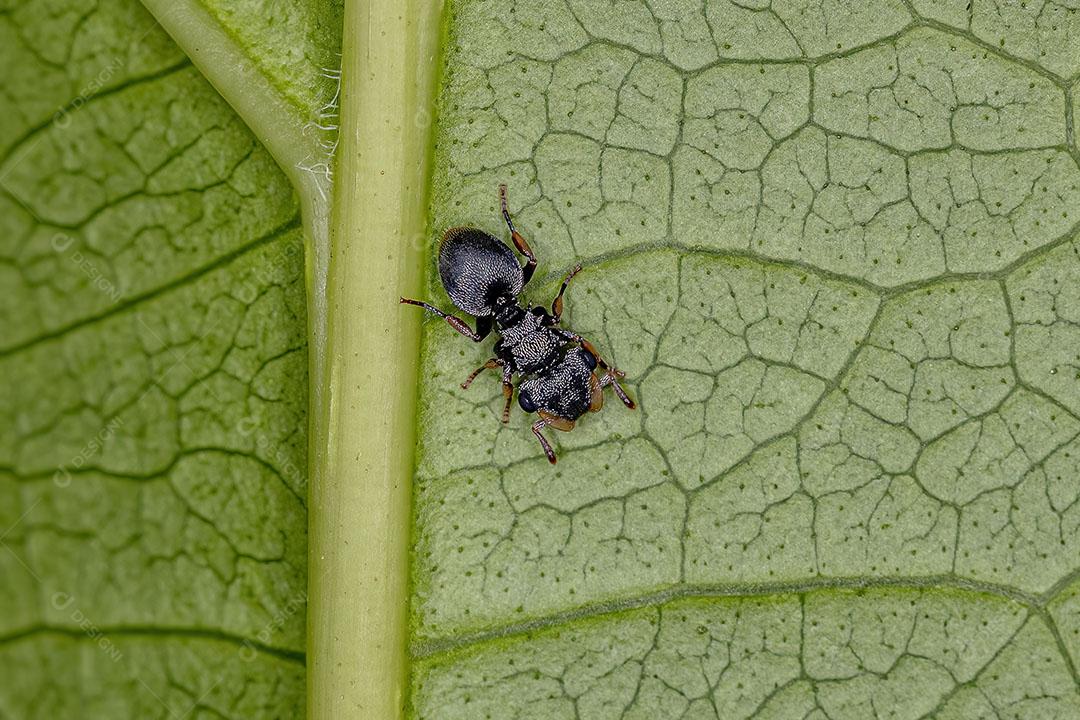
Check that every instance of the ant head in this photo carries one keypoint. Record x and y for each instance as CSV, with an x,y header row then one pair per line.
x,y
564,390
505,310
526,400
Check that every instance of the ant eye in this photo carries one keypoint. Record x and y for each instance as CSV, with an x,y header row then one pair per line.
x,y
526,402
590,360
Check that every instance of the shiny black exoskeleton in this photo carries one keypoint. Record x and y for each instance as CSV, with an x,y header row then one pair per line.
x,y
482,276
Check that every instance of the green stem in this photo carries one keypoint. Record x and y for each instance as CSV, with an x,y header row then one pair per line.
x,y
363,351
360,501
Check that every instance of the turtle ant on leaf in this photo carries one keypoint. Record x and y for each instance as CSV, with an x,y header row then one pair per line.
x,y
482,276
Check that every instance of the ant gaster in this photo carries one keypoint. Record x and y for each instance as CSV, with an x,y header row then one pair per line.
x,y
482,276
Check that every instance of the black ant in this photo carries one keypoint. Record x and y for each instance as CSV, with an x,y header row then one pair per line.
x,y
482,277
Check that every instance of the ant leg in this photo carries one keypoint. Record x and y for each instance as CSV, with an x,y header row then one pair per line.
x,y
508,393
519,242
483,324
556,304
508,386
546,420
489,365
536,428
574,337
609,378
596,394
596,354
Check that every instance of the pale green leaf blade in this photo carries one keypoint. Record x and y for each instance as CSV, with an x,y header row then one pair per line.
x,y
832,248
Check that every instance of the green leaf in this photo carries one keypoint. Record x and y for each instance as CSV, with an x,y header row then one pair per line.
x,y
834,249
153,479
833,246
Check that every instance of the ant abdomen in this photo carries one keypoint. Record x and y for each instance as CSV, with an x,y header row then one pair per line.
x,y
476,269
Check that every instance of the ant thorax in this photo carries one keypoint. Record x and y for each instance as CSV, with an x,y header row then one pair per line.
x,y
529,344
508,313
527,323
